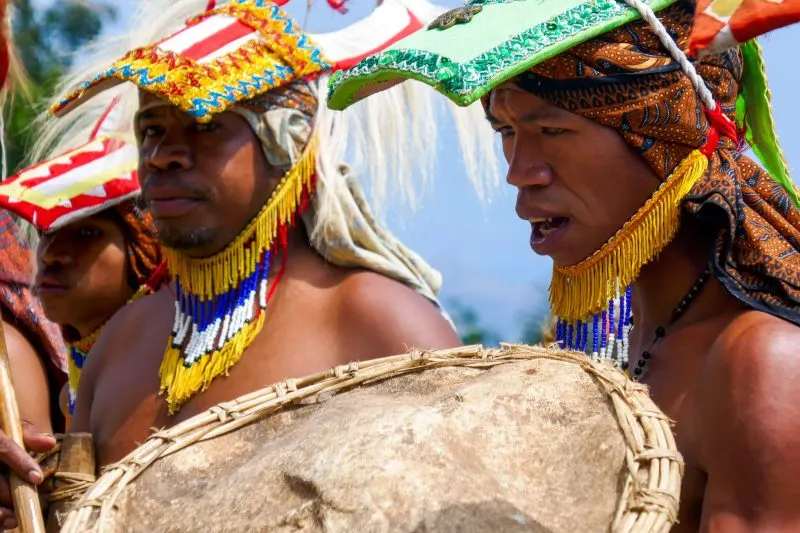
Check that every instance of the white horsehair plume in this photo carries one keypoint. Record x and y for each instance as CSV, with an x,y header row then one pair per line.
x,y
390,140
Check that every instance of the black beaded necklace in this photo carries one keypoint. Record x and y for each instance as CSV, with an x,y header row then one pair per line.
x,y
661,331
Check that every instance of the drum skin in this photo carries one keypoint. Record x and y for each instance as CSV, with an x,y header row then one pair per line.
x,y
526,446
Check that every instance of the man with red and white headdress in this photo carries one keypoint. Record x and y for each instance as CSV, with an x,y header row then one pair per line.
x,y
278,267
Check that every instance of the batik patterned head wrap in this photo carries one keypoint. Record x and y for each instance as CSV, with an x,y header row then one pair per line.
x,y
626,80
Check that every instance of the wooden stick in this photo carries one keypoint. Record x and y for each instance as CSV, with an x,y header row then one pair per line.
x,y
26,500
75,462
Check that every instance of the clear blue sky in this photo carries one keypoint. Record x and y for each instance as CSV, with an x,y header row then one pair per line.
x,y
482,250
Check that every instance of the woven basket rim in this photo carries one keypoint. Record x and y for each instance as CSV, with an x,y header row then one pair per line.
x,y
654,467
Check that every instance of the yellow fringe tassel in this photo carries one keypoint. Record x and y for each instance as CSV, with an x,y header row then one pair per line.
x,y
583,289
181,382
218,274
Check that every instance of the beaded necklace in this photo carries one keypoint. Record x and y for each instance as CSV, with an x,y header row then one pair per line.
x,y
661,331
605,336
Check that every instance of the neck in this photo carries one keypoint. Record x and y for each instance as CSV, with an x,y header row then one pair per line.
x,y
663,283
297,247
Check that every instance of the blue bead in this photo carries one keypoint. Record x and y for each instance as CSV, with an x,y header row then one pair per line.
x,y
603,339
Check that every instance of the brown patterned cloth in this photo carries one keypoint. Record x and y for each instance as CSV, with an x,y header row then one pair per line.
x,y
626,80
20,308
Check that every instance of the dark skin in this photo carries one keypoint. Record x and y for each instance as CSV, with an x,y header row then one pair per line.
x,y
725,373
203,183
30,379
82,276
81,280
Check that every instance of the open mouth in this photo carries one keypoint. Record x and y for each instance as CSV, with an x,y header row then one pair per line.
x,y
544,227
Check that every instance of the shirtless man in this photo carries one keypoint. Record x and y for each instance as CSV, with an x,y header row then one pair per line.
x,y
589,136
339,288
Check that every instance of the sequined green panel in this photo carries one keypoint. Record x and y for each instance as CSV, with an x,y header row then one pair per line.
x,y
488,2
466,81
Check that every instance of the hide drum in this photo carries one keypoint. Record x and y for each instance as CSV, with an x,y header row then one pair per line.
x,y
515,439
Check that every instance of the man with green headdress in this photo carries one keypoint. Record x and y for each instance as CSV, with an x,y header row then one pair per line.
x,y
628,165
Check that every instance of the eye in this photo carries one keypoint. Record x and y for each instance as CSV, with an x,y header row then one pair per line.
x,y
553,131
206,127
150,131
87,233
505,131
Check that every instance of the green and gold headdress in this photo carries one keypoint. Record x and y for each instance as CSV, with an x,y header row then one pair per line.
x,y
473,49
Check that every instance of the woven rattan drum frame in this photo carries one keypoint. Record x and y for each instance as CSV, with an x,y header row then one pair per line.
x,y
650,497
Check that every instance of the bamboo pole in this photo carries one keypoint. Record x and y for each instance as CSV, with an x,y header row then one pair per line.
x,y
76,469
26,500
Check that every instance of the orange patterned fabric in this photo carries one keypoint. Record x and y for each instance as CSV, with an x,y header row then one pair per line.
x,y
22,309
720,24
627,81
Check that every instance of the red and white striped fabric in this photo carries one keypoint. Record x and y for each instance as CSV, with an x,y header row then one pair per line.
x,y
391,21
211,38
78,183
218,35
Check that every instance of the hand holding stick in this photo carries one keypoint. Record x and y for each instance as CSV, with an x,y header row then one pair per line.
x,y
26,500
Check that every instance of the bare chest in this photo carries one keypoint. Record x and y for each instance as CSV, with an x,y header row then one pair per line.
x,y
674,378
127,405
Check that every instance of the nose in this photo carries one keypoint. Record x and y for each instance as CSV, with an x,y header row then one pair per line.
x,y
52,250
527,166
169,152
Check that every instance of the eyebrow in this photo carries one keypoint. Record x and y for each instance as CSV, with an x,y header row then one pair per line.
x,y
542,113
147,111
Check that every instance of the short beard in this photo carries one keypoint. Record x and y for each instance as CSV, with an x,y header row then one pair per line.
x,y
185,240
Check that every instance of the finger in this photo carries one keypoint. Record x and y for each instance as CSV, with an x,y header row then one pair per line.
x,y
6,500
36,440
19,461
8,520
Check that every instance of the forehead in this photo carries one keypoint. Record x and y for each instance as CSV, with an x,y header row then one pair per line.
x,y
107,218
151,105
149,101
512,101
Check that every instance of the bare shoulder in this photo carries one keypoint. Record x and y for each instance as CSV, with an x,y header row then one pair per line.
x,y
756,349
749,420
127,324
389,316
30,378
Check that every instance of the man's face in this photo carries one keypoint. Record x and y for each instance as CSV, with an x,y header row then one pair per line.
x,y
82,275
577,181
202,182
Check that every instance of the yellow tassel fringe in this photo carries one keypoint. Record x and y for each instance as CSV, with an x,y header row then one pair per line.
x,y
216,275
583,289
181,382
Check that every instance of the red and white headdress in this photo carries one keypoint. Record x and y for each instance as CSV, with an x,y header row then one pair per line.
x,y
78,183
